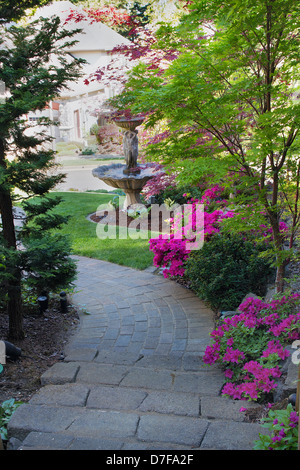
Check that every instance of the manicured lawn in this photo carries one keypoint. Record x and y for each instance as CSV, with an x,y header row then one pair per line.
x,y
81,161
85,242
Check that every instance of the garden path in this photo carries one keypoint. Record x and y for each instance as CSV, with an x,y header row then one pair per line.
x,y
133,376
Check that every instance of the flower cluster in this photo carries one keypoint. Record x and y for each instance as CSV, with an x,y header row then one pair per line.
x,y
213,194
250,345
170,254
267,233
275,347
190,224
257,380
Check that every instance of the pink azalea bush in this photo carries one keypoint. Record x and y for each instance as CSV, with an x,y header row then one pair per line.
x,y
251,345
172,252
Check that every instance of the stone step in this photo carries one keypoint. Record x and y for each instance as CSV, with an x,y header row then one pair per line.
x,y
146,401
118,399
60,441
64,427
207,382
184,362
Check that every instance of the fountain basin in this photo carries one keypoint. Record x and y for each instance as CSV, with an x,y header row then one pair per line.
x,y
129,124
132,183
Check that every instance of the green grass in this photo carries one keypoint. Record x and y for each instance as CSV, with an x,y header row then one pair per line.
x,y
132,251
67,148
78,161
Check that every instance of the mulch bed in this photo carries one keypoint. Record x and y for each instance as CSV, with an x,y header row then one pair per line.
x,y
45,338
255,414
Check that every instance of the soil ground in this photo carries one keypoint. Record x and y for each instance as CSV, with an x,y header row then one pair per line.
x,y
45,338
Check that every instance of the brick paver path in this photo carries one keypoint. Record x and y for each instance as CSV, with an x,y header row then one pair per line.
x,y
133,376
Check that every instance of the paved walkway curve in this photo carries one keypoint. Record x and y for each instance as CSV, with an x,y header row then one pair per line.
x,y
133,376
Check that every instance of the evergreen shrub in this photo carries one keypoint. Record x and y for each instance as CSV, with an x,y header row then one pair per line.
x,y
226,269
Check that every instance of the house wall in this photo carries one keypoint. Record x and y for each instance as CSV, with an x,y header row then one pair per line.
x,y
51,112
82,108
90,56
78,105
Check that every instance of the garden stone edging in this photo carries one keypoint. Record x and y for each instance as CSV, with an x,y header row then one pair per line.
x,y
287,387
230,313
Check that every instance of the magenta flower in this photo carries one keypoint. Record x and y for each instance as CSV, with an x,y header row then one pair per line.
x,y
231,390
294,418
276,438
275,347
233,355
211,354
249,389
228,373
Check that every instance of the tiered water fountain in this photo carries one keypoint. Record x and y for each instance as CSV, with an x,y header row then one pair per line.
x,y
130,177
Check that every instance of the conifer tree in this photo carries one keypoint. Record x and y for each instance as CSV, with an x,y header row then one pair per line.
x,y
11,10
34,67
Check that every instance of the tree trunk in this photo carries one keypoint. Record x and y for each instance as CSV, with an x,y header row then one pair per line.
x,y
15,311
278,238
279,281
281,260
14,305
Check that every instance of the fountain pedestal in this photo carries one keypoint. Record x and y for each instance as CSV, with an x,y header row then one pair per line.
x,y
129,177
132,184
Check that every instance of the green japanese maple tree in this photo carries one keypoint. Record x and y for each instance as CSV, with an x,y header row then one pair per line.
x,y
230,100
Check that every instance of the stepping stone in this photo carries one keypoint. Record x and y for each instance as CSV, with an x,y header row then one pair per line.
x,y
176,430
